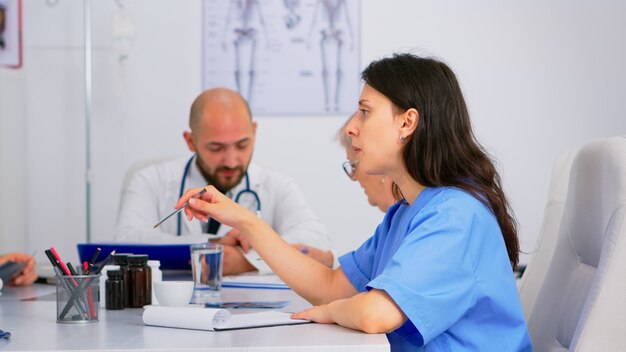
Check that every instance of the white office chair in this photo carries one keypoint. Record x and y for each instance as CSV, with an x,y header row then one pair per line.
x,y
132,170
535,273
130,173
581,303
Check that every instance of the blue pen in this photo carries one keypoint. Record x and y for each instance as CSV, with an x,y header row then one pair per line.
x,y
4,334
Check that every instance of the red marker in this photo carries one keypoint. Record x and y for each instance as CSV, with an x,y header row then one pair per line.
x,y
66,271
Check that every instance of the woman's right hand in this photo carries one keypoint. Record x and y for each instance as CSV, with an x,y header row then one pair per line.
x,y
215,205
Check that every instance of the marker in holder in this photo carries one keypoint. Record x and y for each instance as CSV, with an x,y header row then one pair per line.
x,y
77,298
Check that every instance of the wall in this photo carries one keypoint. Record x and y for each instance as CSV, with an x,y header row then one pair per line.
x,y
12,166
539,78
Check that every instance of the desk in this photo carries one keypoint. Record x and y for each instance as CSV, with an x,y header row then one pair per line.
x,y
33,326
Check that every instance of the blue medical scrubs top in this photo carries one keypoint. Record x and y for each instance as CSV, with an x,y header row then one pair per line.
x,y
443,261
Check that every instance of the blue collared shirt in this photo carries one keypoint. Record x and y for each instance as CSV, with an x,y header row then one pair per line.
x,y
443,261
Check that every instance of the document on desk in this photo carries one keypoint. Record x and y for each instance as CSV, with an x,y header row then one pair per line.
x,y
211,319
254,281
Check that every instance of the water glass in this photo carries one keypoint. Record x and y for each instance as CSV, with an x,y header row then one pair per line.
x,y
206,265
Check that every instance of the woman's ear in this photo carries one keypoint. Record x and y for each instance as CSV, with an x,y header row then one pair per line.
x,y
409,122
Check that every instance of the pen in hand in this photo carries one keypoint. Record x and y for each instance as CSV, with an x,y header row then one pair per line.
x,y
178,210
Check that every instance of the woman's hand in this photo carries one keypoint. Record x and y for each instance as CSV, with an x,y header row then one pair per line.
x,y
213,204
373,312
319,314
28,275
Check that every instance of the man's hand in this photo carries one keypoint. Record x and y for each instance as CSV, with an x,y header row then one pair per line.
x,y
324,257
234,238
234,261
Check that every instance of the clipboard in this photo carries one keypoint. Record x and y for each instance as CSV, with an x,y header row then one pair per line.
x,y
172,256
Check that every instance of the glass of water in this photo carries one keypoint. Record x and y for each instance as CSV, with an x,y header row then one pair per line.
x,y
206,265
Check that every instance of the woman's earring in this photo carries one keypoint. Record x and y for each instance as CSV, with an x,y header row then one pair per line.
x,y
401,140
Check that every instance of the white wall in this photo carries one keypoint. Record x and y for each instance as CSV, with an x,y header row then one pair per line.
x,y
12,166
539,78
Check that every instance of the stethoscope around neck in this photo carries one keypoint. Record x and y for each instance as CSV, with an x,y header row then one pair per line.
x,y
237,197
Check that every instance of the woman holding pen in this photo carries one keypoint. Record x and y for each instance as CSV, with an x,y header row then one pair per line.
x,y
437,273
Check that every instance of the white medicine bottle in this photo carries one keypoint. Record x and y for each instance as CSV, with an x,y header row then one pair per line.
x,y
157,276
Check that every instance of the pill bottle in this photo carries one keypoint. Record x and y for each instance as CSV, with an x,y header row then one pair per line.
x,y
115,290
121,259
140,281
103,279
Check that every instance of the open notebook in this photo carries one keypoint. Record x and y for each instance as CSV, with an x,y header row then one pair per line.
x,y
198,318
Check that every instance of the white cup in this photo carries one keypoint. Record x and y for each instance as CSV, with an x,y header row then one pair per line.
x,y
173,293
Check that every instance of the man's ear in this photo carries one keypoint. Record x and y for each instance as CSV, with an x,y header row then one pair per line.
x,y
189,140
409,122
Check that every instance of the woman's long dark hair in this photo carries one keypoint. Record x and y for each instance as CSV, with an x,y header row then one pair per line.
x,y
443,150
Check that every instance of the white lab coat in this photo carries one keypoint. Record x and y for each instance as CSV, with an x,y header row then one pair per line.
x,y
154,190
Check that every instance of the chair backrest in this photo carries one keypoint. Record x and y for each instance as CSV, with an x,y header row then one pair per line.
x,y
534,275
132,170
582,302
130,173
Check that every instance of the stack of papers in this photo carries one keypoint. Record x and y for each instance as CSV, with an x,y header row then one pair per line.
x,y
254,281
199,318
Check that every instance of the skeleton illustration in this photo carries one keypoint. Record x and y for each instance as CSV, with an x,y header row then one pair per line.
x,y
243,12
292,18
331,45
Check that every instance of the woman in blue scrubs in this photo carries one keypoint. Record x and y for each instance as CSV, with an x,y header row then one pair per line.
x,y
437,275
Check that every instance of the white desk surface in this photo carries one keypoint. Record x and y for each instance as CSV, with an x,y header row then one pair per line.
x,y
33,327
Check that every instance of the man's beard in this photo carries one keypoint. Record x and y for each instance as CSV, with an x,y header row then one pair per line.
x,y
212,179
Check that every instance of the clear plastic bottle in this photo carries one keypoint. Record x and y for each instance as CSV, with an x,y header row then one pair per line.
x,y
140,280
115,290
157,275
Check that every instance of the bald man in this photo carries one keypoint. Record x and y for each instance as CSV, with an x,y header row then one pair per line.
x,y
221,138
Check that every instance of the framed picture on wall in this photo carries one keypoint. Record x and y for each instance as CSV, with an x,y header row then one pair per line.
x,y
10,33
284,57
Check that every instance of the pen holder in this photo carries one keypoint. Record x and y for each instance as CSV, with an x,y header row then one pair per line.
x,y
77,298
